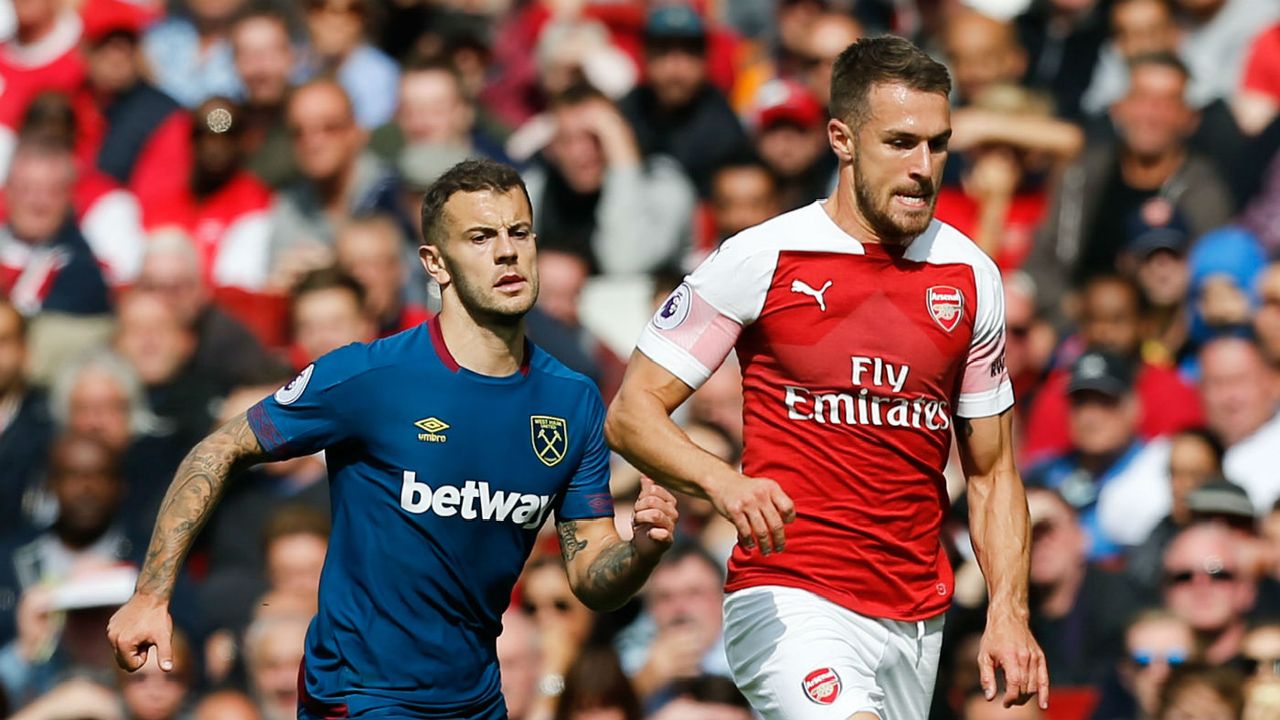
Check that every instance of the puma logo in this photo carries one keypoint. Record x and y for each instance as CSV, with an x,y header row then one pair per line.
x,y
800,286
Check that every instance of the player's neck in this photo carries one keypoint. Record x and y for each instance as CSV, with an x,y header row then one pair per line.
x,y
492,349
842,208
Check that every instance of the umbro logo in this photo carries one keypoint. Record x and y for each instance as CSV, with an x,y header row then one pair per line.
x,y
800,286
432,429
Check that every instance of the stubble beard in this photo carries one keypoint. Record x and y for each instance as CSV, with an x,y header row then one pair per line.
x,y
877,213
486,305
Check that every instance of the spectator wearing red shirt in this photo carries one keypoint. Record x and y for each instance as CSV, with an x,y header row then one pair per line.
x,y
1258,100
129,129
1110,320
224,207
42,55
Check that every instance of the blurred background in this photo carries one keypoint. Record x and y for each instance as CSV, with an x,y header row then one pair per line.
x,y
202,196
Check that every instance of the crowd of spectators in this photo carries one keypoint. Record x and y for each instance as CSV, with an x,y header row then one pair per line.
x,y
201,196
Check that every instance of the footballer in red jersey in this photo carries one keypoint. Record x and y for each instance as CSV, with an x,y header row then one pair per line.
x,y
867,332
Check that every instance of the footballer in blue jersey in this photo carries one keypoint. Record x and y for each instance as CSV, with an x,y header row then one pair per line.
x,y
448,446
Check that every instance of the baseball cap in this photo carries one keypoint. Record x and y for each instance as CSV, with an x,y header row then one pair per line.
x,y
1221,497
786,101
1101,371
106,19
674,21
1152,227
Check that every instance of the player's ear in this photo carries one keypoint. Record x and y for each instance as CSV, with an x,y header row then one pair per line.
x,y
433,263
841,138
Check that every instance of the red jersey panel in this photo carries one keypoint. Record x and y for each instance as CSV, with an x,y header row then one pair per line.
x,y
855,359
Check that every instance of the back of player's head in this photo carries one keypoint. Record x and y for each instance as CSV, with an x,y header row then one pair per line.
x,y
468,176
876,61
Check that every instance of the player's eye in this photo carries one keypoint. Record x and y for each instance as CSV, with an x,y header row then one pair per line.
x,y
939,144
903,143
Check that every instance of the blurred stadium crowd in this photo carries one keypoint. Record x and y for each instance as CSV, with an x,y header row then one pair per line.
x,y
200,196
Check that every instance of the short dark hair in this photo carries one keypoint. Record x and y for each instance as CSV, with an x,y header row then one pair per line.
x,y
1225,681
295,519
577,94
327,278
1160,59
467,176
687,549
711,690
875,61
1208,439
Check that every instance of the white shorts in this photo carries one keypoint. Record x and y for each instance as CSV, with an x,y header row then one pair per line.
x,y
797,656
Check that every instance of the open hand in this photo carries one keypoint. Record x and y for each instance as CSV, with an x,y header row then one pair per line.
x,y
1008,645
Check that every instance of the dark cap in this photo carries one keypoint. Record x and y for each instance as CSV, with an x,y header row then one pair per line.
x,y
1221,497
1101,371
1156,225
674,21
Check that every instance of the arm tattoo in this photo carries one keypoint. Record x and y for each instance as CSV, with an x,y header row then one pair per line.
x,y
195,490
570,543
607,571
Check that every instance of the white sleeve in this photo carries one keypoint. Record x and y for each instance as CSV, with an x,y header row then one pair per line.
x,y
985,389
113,228
695,328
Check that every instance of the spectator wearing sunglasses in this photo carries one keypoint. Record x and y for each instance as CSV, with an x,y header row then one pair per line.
x,y
1205,586
563,622
1078,609
1155,642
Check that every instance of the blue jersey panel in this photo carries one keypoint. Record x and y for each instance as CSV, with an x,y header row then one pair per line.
x,y
439,479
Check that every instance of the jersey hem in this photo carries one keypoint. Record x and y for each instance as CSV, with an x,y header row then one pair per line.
x,y
844,600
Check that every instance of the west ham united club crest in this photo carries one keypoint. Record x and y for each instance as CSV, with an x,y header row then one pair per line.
x,y
550,437
946,306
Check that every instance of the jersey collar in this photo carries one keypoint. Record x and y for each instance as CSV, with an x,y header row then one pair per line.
x,y
447,359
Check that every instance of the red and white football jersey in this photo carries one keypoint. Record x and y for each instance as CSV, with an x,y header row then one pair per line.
x,y
854,359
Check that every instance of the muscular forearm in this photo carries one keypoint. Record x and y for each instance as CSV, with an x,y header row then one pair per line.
x,y
640,429
196,488
614,574
1001,539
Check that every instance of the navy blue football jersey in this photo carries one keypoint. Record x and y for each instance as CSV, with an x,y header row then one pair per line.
x,y
440,478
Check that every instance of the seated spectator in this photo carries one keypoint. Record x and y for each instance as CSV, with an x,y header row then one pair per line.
x,y
829,35
42,55
1202,691
433,108
151,337
1110,319
1028,344
1149,168
1260,657
595,687
1002,148
87,533
520,662
1206,585
744,193
226,705
1155,642
336,32
273,650
100,396
677,112
372,250
555,326
789,130
328,311
25,429
1224,267
45,263
340,181
78,698
679,635
594,196
1266,321
1194,458
190,55
1240,395
1104,444
1078,609
1155,256
982,52
266,62
226,350
150,693
563,622
706,697
108,215
133,131
222,206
